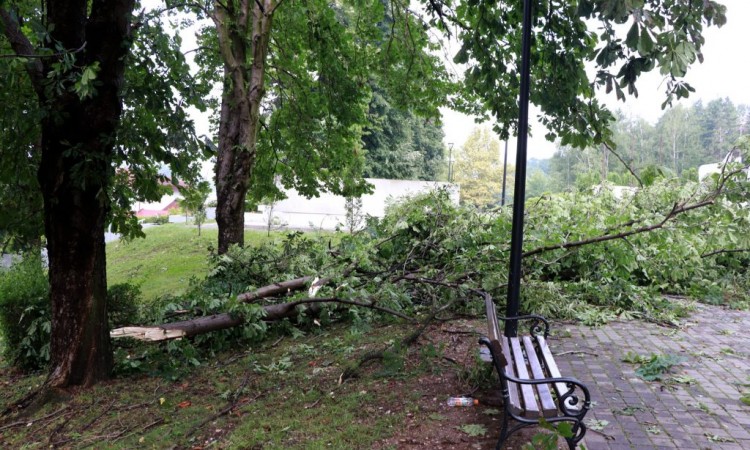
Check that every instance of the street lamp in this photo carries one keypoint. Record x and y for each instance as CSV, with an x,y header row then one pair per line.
x,y
516,240
450,162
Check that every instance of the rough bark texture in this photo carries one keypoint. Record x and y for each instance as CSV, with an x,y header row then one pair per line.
x,y
74,174
244,29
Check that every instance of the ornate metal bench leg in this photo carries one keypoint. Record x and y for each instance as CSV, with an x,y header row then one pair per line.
x,y
503,433
579,430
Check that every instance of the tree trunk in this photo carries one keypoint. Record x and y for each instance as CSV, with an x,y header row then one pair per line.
x,y
78,138
78,142
244,31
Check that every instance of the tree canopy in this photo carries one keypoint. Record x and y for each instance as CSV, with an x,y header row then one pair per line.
x,y
633,37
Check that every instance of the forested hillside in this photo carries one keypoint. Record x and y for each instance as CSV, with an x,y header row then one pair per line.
x,y
681,140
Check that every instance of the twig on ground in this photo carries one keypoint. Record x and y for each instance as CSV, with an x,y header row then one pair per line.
x,y
32,421
576,352
606,436
232,404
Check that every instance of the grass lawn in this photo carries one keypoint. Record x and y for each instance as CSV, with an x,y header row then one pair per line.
x,y
282,393
166,259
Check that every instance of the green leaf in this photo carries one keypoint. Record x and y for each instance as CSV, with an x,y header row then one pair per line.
x,y
473,430
632,38
645,43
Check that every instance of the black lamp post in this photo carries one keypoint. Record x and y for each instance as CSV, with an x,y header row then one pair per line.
x,y
516,241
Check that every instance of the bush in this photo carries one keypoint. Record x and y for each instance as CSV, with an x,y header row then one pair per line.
x,y
122,304
25,314
157,220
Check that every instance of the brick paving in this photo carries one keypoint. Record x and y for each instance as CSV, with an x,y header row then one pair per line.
x,y
702,412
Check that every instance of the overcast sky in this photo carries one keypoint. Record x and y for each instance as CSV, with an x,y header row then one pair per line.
x,y
724,73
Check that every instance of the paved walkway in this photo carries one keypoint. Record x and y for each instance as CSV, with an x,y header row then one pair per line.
x,y
702,412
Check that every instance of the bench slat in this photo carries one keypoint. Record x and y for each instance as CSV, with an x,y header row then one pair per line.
x,y
515,400
549,408
529,399
492,324
554,372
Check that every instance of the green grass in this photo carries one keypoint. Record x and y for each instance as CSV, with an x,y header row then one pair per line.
x,y
164,262
296,405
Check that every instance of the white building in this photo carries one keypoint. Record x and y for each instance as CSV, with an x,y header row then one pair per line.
x,y
328,211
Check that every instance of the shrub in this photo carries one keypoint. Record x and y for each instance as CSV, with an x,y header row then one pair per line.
x,y
122,304
25,314
156,220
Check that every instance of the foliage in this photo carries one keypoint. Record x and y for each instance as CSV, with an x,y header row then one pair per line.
x,y
479,170
399,145
585,259
123,301
548,441
20,196
354,216
634,38
473,429
194,201
682,139
156,220
25,313
654,368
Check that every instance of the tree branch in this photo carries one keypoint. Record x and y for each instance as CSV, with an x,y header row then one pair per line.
x,y
51,55
206,324
723,250
676,210
627,166
22,46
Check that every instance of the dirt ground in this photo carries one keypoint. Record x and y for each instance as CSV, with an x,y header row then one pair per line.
x,y
192,413
438,426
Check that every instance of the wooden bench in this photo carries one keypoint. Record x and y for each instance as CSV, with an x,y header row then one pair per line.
x,y
531,383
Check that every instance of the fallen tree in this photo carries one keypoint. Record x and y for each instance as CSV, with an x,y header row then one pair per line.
x,y
432,253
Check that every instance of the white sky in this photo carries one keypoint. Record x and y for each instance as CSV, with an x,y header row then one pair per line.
x,y
725,72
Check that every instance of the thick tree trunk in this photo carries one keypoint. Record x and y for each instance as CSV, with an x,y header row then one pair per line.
x,y
74,224
233,169
244,29
78,138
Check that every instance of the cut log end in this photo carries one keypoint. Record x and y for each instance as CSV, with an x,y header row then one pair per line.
x,y
151,334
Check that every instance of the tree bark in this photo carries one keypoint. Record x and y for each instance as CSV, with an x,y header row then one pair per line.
x,y
206,324
244,30
78,138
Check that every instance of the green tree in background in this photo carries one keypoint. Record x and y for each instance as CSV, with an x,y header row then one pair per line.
x,y
479,169
194,201
720,127
399,145
296,83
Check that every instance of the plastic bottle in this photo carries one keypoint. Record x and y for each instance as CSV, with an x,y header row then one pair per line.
x,y
462,401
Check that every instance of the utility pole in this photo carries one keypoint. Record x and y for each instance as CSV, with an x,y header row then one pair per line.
x,y
450,162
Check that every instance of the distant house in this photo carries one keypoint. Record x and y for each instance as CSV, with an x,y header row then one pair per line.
x,y
164,207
